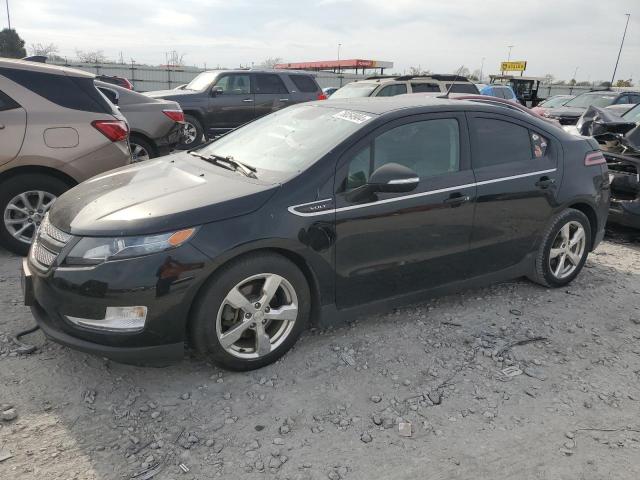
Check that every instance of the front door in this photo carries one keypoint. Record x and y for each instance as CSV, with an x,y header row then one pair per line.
x,y
396,243
13,123
517,170
232,102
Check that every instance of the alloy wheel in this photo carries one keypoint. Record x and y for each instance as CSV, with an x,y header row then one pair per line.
x,y
190,132
257,316
567,250
24,213
139,153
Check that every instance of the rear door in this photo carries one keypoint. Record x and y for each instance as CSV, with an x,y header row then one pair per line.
x,y
13,124
517,170
391,244
271,94
234,105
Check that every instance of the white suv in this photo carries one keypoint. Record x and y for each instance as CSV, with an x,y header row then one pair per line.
x,y
390,86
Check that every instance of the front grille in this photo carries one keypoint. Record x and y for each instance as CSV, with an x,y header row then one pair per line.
x,y
47,245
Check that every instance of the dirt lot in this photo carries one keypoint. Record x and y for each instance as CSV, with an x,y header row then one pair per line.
x,y
338,406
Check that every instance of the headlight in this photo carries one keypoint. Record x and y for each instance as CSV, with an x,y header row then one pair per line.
x,y
95,250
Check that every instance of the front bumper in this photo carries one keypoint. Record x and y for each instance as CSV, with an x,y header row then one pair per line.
x,y
165,283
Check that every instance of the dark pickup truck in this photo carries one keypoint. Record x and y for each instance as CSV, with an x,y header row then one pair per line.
x,y
217,101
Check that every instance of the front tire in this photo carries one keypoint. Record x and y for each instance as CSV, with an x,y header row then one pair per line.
x,y
24,200
251,312
564,249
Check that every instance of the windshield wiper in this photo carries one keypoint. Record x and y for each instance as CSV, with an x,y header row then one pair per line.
x,y
229,162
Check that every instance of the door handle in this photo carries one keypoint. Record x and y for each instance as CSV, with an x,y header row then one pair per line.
x,y
456,199
247,100
545,182
284,99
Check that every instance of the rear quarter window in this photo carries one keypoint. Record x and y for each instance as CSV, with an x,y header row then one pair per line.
x,y
7,103
304,83
462,88
66,91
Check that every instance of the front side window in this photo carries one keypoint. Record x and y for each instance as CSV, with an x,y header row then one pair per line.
x,y
392,90
499,142
6,102
237,84
269,83
429,148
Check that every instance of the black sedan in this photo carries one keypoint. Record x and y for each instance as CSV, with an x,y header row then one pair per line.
x,y
312,213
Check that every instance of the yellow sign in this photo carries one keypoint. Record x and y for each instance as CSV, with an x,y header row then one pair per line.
x,y
519,66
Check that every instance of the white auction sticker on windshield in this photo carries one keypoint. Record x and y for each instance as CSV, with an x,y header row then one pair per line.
x,y
355,117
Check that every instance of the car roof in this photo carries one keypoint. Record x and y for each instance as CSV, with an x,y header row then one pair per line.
x,y
259,70
43,68
382,105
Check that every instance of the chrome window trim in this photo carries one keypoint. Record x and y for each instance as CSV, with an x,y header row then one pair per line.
x,y
414,195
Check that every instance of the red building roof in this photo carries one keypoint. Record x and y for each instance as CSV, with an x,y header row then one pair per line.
x,y
335,64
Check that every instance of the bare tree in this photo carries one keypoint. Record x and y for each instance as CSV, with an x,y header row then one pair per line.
x,y
47,50
175,59
269,63
418,71
549,79
94,56
463,71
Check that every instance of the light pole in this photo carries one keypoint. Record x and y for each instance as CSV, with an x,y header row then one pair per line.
x,y
509,55
621,44
481,69
339,45
8,16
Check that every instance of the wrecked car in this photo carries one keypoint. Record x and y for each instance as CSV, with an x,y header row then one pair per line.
x,y
619,140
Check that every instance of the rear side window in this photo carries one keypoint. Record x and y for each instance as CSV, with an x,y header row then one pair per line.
x,y
425,87
304,83
68,92
507,94
269,83
499,142
7,103
462,88
392,90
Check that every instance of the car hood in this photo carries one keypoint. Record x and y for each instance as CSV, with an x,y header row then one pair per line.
x,y
171,93
566,111
156,196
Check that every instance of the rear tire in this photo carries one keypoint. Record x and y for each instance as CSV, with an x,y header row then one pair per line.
x,y
141,149
19,198
564,249
193,133
231,326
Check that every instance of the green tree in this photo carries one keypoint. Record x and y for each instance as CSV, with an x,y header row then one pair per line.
x,y
11,45
624,83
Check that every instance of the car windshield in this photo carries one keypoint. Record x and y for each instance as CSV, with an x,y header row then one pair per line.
x,y
355,89
289,140
555,102
202,81
633,115
588,99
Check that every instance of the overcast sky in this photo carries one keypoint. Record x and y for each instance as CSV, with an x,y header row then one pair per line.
x,y
554,36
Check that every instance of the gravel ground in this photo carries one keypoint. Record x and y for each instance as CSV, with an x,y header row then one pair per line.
x,y
416,393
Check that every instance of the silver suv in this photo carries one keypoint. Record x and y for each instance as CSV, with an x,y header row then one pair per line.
x,y
56,130
390,86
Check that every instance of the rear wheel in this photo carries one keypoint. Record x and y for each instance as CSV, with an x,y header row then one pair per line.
x,y
24,200
564,249
141,149
251,312
192,133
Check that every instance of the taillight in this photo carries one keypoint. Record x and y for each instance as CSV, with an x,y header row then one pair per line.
x,y
175,115
594,158
127,84
114,130
321,96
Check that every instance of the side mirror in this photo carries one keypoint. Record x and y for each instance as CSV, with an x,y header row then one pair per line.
x,y
215,91
393,177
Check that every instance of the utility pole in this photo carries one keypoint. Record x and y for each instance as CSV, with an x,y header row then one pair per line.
x,y
8,16
621,44
339,45
481,69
